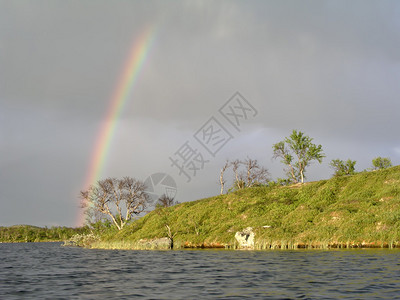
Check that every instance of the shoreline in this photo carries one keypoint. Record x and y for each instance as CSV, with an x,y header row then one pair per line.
x,y
128,245
33,242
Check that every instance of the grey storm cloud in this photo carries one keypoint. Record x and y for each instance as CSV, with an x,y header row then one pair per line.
x,y
329,68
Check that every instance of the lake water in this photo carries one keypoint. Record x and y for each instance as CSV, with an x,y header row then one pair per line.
x,y
49,271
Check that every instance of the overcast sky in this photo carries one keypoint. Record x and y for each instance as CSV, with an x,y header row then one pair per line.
x,y
328,68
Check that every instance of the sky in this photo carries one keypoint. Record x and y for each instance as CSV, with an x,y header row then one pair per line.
x,y
330,69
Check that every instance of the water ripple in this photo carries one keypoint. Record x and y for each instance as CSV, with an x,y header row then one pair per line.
x,y
48,271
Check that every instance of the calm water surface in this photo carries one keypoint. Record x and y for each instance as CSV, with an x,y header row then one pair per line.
x,y
49,271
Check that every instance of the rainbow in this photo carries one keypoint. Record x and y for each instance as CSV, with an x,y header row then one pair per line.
x,y
134,64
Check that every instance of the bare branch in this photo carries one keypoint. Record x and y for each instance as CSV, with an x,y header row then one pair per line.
x,y
221,176
118,199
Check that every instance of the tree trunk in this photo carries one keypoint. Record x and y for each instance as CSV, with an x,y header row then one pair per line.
x,y
115,222
221,180
292,173
170,236
108,212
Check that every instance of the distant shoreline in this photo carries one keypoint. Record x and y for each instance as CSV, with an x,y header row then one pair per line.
x,y
28,233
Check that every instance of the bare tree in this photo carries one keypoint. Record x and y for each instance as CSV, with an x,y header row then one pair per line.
x,y
118,199
238,177
166,201
92,215
252,174
163,210
221,176
255,174
261,175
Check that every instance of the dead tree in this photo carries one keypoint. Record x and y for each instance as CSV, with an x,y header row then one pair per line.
x,y
163,210
118,199
247,173
221,176
255,174
166,201
238,177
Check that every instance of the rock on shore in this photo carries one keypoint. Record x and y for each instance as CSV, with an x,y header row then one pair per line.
x,y
245,238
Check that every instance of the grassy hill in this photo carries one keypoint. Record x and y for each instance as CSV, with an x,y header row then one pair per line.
x,y
362,210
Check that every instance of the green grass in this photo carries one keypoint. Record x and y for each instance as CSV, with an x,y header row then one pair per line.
x,y
361,210
28,233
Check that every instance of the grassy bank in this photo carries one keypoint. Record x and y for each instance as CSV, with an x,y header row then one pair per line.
x,y
362,210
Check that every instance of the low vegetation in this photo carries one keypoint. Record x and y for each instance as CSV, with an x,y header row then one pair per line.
x,y
343,167
361,210
27,233
380,163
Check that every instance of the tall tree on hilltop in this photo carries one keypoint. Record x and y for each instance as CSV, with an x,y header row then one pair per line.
x,y
297,152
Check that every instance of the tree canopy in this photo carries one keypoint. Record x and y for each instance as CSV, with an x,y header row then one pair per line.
x,y
297,152
380,163
343,167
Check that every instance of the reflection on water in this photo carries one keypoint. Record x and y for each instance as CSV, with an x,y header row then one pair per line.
x,y
46,270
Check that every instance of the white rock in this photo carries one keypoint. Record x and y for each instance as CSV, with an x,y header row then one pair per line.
x,y
245,238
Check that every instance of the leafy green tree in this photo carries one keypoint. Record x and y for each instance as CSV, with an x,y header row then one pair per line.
x,y
297,152
343,167
380,163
